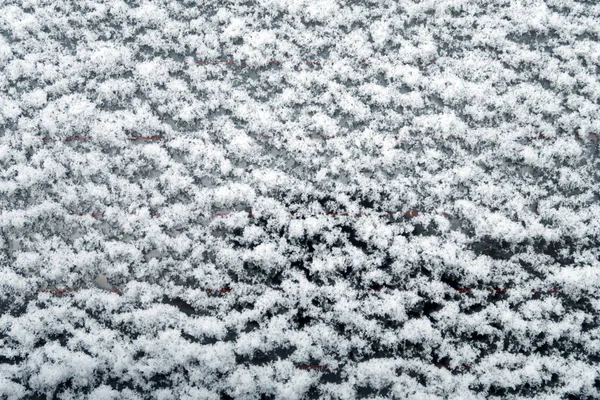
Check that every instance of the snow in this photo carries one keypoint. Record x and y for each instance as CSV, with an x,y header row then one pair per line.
x,y
294,199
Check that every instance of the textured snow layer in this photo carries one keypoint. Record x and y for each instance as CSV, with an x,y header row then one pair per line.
x,y
287,199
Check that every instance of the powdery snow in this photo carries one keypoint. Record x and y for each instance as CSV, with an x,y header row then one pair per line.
x,y
289,199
